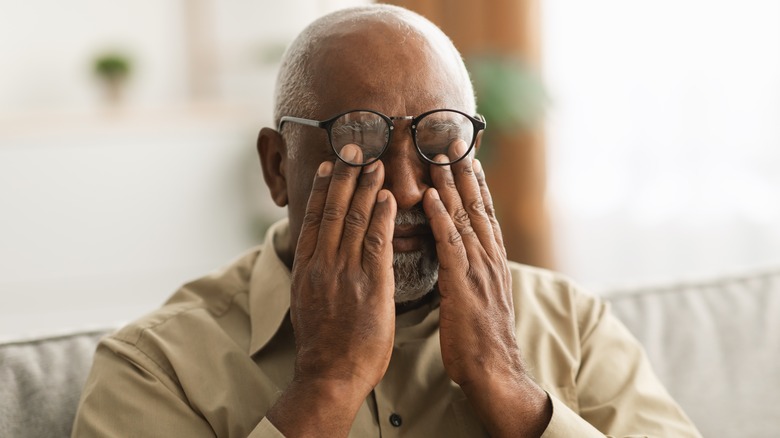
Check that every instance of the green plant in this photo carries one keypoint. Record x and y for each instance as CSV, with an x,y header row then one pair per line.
x,y
112,66
509,93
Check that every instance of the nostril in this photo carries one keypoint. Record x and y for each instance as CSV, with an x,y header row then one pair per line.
x,y
407,187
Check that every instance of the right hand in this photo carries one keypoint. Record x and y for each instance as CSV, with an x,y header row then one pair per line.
x,y
342,307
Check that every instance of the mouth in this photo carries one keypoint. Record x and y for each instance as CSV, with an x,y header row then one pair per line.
x,y
407,238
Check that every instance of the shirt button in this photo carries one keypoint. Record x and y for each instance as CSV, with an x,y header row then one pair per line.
x,y
396,420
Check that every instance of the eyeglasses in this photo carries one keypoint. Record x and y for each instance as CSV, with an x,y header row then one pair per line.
x,y
433,132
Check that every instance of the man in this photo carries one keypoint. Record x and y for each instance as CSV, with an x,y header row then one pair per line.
x,y
384,305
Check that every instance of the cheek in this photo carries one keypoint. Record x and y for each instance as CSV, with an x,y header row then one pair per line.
x,y
300,195
299,185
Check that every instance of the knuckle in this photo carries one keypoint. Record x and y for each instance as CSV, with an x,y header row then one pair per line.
x,y
374,242
333,213
461,218
312,217
356,218
476,207
489,209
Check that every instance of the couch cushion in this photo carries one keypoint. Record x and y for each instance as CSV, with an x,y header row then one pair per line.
x,y
716,347
41,381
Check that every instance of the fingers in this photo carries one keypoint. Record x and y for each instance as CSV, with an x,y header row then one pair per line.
x,y
449,244
487,201
356,222
341,212
342,186
378,243
310,229
460,192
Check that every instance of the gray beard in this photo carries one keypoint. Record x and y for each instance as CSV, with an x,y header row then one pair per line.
x,y
416,272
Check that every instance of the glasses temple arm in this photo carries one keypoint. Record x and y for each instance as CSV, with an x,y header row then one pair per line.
x,y
308,122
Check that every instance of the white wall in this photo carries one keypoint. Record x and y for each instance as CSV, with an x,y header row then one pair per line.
x,y
106,221
664,137
105,211
48,47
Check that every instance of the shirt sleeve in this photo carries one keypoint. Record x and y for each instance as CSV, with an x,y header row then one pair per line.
x,y
566,423
617,392
126,394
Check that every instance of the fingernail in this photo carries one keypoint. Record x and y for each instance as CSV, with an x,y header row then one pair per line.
x,y
371,167
460,148
477,166
326,167
349,152
441,159
382,196
434,194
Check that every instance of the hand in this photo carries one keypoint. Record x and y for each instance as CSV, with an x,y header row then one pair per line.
x,y
341,304
477,314
477,326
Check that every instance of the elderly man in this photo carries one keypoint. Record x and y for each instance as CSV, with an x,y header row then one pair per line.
x,y
384,305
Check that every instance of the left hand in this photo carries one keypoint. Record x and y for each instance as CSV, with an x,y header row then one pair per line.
x,y
477,324
477,315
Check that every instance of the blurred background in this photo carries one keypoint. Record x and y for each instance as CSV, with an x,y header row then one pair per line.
x,y
637,140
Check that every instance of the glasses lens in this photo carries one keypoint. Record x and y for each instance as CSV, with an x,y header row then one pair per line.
x,y
369,131
437,133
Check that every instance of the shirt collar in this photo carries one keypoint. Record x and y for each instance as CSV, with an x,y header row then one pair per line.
x,y
269,288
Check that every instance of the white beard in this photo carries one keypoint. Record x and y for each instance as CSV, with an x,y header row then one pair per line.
x,y
416,272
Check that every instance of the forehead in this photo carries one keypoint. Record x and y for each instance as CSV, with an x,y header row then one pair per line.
x,y
388,67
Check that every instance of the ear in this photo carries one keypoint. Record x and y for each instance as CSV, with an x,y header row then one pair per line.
x,y
478,141
273,159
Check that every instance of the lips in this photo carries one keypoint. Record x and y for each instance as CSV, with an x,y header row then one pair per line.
x,y
411,237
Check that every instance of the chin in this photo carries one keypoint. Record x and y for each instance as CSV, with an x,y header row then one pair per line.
x,y
406,298
416,274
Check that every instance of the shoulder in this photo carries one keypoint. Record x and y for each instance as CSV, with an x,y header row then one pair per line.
x,y
554,299
208,310
547,285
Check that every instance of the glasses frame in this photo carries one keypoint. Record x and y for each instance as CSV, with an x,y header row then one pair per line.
x,y
477,121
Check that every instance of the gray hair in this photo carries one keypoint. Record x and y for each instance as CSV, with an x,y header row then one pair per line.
x,y
295,94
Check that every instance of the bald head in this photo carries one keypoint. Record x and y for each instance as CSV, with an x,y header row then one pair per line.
x,y
357,49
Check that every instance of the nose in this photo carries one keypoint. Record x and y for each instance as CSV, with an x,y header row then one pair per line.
x,y
406,175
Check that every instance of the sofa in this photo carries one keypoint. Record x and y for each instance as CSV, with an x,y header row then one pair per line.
x,y
715,344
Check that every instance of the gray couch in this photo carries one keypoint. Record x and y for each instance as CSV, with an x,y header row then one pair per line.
x,y
715,344
40,383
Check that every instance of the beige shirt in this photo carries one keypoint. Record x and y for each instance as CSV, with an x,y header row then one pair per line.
x,y
219,353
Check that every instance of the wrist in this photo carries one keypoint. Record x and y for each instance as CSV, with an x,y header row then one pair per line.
x,y
313,407
508,404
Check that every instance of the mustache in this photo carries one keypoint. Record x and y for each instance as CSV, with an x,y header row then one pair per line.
x,y
415,216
